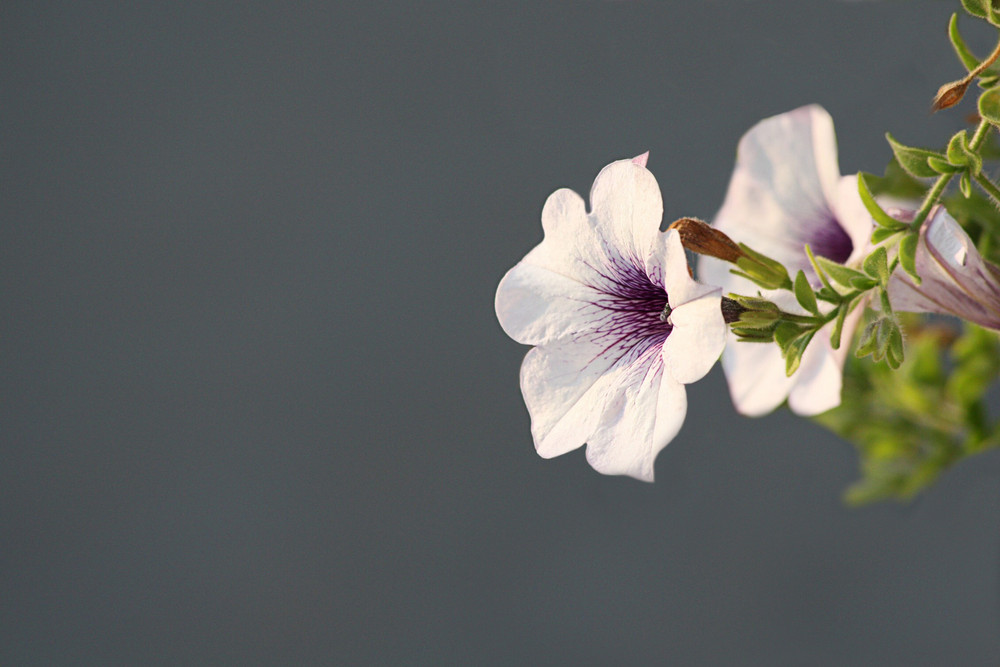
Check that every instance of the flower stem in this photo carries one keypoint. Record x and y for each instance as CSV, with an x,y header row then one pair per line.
x,y
987,185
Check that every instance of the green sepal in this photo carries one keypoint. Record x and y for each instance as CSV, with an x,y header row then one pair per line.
x,y
754,335
880,216
880,234
762,270
970,61
758,319
804,293
908,255
913,160
876,265
942,166
839,273
989,105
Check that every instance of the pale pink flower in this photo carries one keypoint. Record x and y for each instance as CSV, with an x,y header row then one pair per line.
x,y
786,191
618,323
954,277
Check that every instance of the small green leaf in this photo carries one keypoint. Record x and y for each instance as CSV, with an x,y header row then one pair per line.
x,y
880,216
908,254
882,233
864,283
964,185
839,273
838,327
816,267
894,353
793,351
913,160
989,105
942,166
876,265
977,8
866,344
961,50
956,154
804,293
785,332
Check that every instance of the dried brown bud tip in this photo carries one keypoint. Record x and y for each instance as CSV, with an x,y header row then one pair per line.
x,y
699,237
949,94
731,310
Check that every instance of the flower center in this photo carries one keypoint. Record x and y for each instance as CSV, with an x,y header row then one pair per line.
x,y
665,313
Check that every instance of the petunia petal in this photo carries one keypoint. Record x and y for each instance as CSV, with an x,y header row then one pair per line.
x,y
756,376
639,420
667,266
697,339
536,305
852,215
955,279
626,211
786,175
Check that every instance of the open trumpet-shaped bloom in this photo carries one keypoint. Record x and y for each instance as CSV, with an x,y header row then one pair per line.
x,y
786,192
619,324
954,277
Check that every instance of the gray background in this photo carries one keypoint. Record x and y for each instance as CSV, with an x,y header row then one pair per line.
x,y
255,404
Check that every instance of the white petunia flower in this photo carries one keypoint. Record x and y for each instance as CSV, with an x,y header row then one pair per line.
x,y
619,324
786,191
954,277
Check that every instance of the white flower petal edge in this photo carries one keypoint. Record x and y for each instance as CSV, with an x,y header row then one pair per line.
x,y
786,191
619,324
955,279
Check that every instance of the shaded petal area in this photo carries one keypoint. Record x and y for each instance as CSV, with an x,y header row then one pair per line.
x,y
786,192
640,418
780,194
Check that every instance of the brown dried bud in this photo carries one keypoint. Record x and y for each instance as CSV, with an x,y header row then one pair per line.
x,y
699,237
950,94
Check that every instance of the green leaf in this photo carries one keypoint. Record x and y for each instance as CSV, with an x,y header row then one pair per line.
x,y
839,273
882,233
804,293
876,265
942,166
819,271
961,50
785,332
989,105
964,185
977,8
838,327
908,254
913,160
864,283
793,352
880,216
867,342
894,351
956,153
